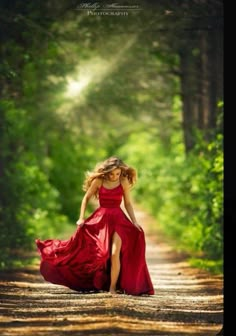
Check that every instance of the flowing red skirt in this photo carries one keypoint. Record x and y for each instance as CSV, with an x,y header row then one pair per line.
x,y
82,262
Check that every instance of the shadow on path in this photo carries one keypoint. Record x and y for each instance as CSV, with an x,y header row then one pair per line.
x,y
187,302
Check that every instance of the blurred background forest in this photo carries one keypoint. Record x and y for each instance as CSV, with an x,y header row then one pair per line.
x,y
78,85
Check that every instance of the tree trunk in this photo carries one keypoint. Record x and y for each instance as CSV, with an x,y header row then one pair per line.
x,y
204,94
201,84
188,90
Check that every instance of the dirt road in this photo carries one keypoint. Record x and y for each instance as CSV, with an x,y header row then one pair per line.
x,y
186,302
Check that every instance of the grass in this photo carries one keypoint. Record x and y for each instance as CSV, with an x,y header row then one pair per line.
x,y
212,266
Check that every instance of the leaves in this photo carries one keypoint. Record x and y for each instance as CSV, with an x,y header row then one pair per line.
x,y
127,100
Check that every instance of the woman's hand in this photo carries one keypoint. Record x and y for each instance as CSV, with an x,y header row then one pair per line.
x,y
80,222
137,226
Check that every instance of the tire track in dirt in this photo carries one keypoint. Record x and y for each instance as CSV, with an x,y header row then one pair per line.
x,y
187,302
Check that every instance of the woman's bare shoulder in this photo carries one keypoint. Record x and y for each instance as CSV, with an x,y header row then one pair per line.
x,y
125,182
97,182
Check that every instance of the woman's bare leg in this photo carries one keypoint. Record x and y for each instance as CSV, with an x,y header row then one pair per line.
x,y
115,261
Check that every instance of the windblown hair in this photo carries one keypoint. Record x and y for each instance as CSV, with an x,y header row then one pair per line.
x,y
102,169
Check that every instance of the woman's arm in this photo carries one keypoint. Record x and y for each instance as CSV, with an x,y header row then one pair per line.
x,y
89,193
128,203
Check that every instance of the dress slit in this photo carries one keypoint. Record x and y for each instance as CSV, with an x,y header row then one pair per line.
x,y
82,262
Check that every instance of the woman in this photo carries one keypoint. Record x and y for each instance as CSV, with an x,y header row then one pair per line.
x,y
107,251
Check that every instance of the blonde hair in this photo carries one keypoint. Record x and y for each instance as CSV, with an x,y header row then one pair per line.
x,y
102,169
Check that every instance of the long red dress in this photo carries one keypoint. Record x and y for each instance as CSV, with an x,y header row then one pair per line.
x,y
82,262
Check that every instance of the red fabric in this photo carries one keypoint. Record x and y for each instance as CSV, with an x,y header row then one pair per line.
x,y
83,262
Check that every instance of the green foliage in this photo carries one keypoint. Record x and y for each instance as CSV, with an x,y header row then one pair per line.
x,y
29,203
184,193
210,265
70,158
131,106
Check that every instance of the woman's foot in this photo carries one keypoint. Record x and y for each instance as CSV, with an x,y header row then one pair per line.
x,y
112,291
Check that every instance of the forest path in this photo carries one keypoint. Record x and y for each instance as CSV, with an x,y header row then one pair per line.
x,y
187,302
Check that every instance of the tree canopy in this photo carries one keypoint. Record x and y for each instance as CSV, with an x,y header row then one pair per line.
x,y
79,85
